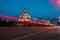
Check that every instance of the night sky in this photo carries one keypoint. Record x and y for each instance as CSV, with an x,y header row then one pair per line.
x,y
36,8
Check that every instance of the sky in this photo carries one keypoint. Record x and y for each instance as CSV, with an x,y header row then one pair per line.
x,y
35,8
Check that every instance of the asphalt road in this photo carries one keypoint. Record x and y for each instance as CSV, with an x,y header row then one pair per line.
x,y
42,36
30,33
52,34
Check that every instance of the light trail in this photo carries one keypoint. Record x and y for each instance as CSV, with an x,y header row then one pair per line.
x,y
16,19
8,17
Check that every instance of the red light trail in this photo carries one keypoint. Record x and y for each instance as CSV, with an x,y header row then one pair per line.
x,y
8,17
16,19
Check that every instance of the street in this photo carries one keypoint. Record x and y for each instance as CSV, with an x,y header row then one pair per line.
x,y
30,33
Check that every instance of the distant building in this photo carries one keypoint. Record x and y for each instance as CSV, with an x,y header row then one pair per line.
x,y
24,15
59,21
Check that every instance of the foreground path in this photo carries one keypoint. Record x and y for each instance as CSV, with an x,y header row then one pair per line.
x,y
26,33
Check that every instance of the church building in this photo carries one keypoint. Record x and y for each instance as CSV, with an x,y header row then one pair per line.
x,y
25,15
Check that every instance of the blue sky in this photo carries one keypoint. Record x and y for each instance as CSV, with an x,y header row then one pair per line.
x,y
36,8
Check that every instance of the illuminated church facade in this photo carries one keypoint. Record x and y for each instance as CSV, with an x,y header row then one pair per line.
x,y
25,15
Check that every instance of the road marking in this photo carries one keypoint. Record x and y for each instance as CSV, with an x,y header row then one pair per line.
x,y
29,35
25,36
